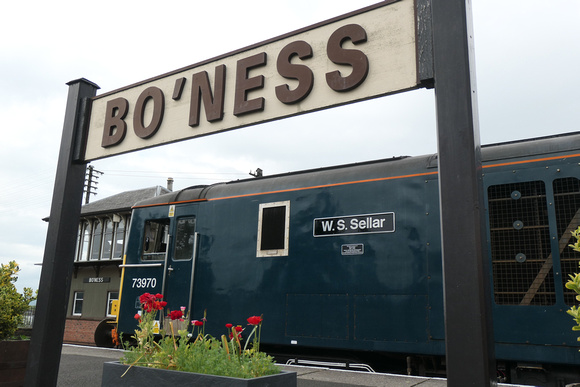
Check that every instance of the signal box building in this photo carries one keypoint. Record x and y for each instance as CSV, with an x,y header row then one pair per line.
x,y
97,275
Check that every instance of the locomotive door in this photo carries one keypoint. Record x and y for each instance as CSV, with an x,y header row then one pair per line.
x,y
180,262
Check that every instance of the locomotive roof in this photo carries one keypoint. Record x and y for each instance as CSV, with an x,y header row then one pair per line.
x,y
363,171
535,146
292,180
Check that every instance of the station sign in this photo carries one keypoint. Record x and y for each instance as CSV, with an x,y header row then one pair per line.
x,y
364,54
96,280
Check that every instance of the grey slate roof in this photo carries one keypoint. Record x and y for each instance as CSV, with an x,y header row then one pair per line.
x,y
121,202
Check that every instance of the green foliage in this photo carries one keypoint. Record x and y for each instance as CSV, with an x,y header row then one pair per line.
x,y
574,284
12,304
204,354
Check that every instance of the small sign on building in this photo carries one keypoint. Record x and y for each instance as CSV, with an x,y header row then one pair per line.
x,y
96,280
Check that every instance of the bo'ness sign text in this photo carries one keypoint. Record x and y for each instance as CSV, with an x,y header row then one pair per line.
x,y
362,55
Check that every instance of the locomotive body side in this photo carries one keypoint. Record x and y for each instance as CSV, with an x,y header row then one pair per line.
x,y
349,257
532,204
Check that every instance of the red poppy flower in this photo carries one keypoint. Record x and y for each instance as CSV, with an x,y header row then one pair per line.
x,y
144,298
239,328
197,323
254,320
159,295
163,304
228,325
175,314
137,316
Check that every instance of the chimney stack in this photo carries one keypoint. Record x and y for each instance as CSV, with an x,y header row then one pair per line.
x,y
170,184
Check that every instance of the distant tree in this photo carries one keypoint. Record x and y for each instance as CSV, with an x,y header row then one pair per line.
x,y
12,304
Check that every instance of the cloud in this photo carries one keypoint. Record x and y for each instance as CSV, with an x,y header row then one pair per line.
x,y
27,256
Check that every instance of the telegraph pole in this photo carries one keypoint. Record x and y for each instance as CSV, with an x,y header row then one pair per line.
x,y
91,182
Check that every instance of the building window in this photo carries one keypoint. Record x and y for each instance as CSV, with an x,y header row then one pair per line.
x,y
107,239
111,296
79,241
96,243
78,304
119,239
273,229
101,239
84,242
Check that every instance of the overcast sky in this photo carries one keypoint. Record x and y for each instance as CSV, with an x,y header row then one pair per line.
x,y
527,56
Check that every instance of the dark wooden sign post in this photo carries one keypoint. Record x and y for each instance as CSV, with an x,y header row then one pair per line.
x,y
61,238
468,320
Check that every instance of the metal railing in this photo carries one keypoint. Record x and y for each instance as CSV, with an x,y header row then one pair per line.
x,y
27,318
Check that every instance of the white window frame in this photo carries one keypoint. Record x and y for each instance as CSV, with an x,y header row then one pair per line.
x,y
96,240
119,234
84,243
274,252
109,302
74,305
107,237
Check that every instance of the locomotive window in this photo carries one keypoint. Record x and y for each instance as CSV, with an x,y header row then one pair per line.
x,y
567,206
520,244
155,239
184,237
273,227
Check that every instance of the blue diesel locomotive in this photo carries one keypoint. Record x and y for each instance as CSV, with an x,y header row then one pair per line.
x,y
348,258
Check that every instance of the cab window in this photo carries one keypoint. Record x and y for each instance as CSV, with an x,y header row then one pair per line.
x,y
155,240
184,238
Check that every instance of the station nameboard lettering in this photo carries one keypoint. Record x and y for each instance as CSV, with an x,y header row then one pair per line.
x,y
361,55
96,280
354,224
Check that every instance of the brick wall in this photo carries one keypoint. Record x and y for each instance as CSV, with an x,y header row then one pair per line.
x,y
78,331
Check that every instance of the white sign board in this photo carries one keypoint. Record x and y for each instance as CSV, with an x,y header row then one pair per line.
x,y
361,55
